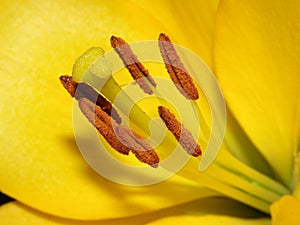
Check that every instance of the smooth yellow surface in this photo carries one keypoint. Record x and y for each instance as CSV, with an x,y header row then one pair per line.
x,y
15,213
194,19
40,164
209,220
256,51
286,211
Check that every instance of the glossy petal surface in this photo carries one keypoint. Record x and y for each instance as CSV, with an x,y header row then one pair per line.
x,y
257,49
190,23
15,213
286,211
39,162
210,220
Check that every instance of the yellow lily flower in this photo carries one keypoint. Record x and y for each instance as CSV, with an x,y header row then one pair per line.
x,y
41,166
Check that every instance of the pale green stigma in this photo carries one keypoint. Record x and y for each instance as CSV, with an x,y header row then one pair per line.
x,y
91,61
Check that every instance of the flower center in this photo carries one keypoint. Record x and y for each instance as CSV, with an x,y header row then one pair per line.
x,y
227,175
105,117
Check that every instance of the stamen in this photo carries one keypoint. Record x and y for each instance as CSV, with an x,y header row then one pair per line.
x,y
182,135
86,91
124,140
103,123
121,137
176,69
139,147
136,69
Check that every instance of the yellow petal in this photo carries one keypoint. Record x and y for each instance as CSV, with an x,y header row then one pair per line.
x,y
15,213
257,46
215,211
286,211
40,164
190,23
210,220
242,148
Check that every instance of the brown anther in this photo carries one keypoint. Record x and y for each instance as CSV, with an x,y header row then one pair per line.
x,y
103,123
176,69
136,68
83,90
150,157
182,135
120,137
139,147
